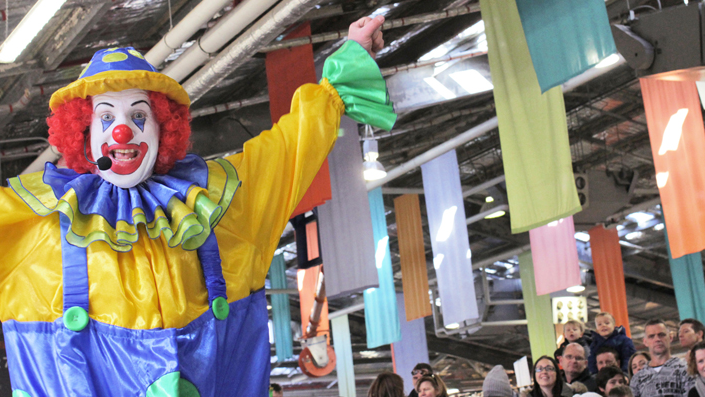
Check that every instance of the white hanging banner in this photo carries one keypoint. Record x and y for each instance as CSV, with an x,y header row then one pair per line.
x,y
449,238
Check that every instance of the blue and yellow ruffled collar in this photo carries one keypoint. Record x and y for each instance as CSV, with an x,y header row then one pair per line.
x,y
177,205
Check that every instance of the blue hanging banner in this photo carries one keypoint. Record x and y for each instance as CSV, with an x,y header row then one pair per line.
x,y
381,315
411,349
343,356
281,314
565,38
687,274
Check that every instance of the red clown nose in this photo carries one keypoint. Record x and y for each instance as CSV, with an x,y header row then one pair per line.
x,y
122,134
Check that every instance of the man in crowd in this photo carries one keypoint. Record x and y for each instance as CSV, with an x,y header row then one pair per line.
x,y
276,390
690,332
417,373
665,375
607,356
574,365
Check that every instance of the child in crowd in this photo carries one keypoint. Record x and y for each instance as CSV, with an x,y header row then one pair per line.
x,y
609,335
574,332
621,391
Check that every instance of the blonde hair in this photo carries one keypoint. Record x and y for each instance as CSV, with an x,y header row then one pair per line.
x,y
606,314
576,323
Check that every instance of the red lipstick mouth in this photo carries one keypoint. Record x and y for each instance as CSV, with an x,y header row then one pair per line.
x,y
126,158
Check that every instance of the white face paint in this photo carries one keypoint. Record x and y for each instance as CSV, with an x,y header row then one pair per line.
x,y
124,129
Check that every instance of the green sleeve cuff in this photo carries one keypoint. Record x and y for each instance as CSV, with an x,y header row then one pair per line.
x,y
356,77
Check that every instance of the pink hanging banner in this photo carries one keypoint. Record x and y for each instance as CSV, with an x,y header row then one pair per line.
x,y
555,256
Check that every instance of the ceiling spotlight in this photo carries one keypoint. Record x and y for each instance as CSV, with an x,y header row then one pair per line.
x,y
576,289
453,326
490,204
372,169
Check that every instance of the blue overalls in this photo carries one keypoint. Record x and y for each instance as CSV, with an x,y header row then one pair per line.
x,y
224,352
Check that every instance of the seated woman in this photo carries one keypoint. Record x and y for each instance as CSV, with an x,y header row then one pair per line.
x,y
547,381
431,386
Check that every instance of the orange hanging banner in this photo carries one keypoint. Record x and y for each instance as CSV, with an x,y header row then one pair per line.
x,y
675,123
412,254
609,274
287,70
308,282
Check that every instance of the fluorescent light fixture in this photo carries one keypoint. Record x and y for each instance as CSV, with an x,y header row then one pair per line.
x,y
494,215
440,88
659,227
437,260
447,224
640,217
28,28
489,199
633,235
661,179
453,326
673,132
490,271
381,251
472,81
576,289
453,391
620,227
609,61
373,170
269,307
582,236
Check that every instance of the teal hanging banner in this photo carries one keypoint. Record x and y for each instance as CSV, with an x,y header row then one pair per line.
x,y
565,38
281,314
689,283
343,356
381,314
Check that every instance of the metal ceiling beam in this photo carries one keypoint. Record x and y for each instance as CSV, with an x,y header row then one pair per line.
x,y
471,351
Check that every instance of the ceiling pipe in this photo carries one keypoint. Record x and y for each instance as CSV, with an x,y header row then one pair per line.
x,y
482,215
478,131
395,23
229,106
183,31
214,39
244,47
430,123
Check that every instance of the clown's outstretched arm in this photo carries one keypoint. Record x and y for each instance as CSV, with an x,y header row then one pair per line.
x,y
278,166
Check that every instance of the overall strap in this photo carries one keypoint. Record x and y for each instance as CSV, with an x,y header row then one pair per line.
x,y
209,255
75,279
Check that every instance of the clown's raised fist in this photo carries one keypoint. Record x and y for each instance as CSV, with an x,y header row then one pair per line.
x,y
367,32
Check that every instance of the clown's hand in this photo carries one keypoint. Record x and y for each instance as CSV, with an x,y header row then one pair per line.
x,y
368,33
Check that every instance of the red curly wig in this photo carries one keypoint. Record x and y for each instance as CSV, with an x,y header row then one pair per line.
x,y
69,124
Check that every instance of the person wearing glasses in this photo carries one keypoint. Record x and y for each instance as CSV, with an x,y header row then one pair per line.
x,y
547,382
420,370
575,367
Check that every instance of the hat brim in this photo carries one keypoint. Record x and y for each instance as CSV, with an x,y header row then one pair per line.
x,y
120,80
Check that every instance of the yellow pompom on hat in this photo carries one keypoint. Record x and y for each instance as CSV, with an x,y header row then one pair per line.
x,y
118,69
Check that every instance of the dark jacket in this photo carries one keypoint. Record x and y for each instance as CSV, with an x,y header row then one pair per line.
x,y
584,341
618,341
585,378
413,394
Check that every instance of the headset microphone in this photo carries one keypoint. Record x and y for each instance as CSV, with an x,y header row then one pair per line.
x,y
104,163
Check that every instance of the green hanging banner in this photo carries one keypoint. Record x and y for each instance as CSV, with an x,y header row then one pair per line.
x,y
542,332
532,126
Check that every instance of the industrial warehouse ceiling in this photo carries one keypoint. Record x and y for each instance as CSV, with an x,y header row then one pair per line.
x,y
608,135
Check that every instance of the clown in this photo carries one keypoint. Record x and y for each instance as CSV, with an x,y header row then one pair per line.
x,y
144,276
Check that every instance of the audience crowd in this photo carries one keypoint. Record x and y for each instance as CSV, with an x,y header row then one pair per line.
x,y
604,363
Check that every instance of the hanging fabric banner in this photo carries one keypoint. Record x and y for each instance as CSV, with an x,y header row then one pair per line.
x,y
609,274
687,274
344,356
412,254
411,349
345,220
282,81
539,314
303,228
532,127
555,256
381,315
449,238
565,38
675,122
281,312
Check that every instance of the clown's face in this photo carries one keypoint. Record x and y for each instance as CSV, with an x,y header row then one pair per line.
x,y
124,129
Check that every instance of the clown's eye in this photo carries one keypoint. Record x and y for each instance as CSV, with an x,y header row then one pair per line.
x,y
139,116
107,117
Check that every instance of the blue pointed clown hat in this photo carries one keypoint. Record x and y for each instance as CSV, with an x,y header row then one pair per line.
x,y
118,69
